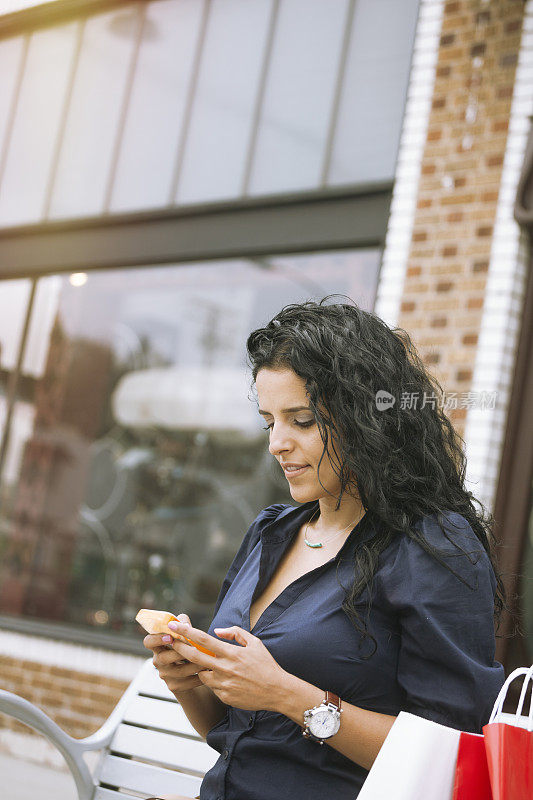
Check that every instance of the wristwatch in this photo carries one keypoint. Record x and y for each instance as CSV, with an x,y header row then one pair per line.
x,y
323,721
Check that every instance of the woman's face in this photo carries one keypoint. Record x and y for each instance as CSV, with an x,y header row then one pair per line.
x,y
294,435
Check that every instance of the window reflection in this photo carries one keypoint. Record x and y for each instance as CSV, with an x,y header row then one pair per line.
x,y
138,458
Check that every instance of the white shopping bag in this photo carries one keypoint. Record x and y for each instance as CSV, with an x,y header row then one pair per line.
x,y
416,762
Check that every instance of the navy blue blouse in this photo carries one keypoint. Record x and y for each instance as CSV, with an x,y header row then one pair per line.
x,y
435,649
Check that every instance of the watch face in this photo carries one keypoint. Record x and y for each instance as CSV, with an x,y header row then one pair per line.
x,y
324,724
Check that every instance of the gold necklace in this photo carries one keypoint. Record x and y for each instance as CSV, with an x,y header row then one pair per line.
x,y
324,541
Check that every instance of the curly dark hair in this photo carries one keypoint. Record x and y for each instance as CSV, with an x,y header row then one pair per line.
x,y
405,463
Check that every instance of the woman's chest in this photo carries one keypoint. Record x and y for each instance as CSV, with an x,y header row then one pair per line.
x,y
309,634
294,565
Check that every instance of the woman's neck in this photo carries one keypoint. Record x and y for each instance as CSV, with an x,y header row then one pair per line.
x,y
328,521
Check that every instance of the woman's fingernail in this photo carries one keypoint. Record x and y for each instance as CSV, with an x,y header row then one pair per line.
x,y
173,626
167,638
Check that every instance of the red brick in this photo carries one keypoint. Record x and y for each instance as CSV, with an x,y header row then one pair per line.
x,y
434,135
449,251
483,17
463,375
494,161
408,305
447,39
478,49
455,216
470,339
504,92
444,286
457,413
513,25
452,7
475,302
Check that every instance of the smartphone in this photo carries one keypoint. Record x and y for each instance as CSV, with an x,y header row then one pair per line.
x,y
157,622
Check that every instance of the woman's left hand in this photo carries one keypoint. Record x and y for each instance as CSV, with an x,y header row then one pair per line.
x,y
246,677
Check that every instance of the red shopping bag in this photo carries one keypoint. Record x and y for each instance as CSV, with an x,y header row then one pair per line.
x,y
509,746
472,780
510,759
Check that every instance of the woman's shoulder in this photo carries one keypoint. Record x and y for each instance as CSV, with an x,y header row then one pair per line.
x,y
442,542
265,517
270,513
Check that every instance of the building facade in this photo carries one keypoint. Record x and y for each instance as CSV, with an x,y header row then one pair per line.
x,y
172,172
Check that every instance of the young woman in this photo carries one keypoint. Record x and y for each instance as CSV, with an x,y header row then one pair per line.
x,y
376,593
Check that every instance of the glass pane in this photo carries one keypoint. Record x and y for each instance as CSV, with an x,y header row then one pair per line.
x,y
374,90
155,114
94,113
14,298
36,126
138,460
299,94
42,320
219,133
10,63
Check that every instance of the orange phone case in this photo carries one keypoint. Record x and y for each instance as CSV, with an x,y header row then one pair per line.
x,y
157,621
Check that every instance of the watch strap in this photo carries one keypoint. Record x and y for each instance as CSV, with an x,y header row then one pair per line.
x,y
330,699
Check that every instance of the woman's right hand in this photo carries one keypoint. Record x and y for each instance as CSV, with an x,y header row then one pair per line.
x,y
179,674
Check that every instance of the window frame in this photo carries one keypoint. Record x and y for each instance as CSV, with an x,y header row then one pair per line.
x,y
512,505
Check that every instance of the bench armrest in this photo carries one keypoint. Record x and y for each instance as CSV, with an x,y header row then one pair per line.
x,y
21,709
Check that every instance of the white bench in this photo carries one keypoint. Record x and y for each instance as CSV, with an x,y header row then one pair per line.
x,y
148,745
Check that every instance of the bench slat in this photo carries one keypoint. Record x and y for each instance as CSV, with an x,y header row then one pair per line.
x,y
154,685
159,714
164,749
129,774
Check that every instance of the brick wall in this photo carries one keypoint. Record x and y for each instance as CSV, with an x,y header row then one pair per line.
x,y
78,701
445,281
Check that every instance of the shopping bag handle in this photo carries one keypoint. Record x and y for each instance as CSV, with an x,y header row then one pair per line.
x,y
498,705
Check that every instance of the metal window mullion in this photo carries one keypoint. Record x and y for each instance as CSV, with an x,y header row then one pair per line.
x,y
328,150
63,122
143,7
274,15
184,133
11,396
13,109
248,227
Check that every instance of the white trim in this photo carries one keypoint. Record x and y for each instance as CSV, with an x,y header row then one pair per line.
x,y
75,657
412,143
506,283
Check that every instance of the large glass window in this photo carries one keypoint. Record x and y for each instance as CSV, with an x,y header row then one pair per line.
x,y
137,457
176,102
